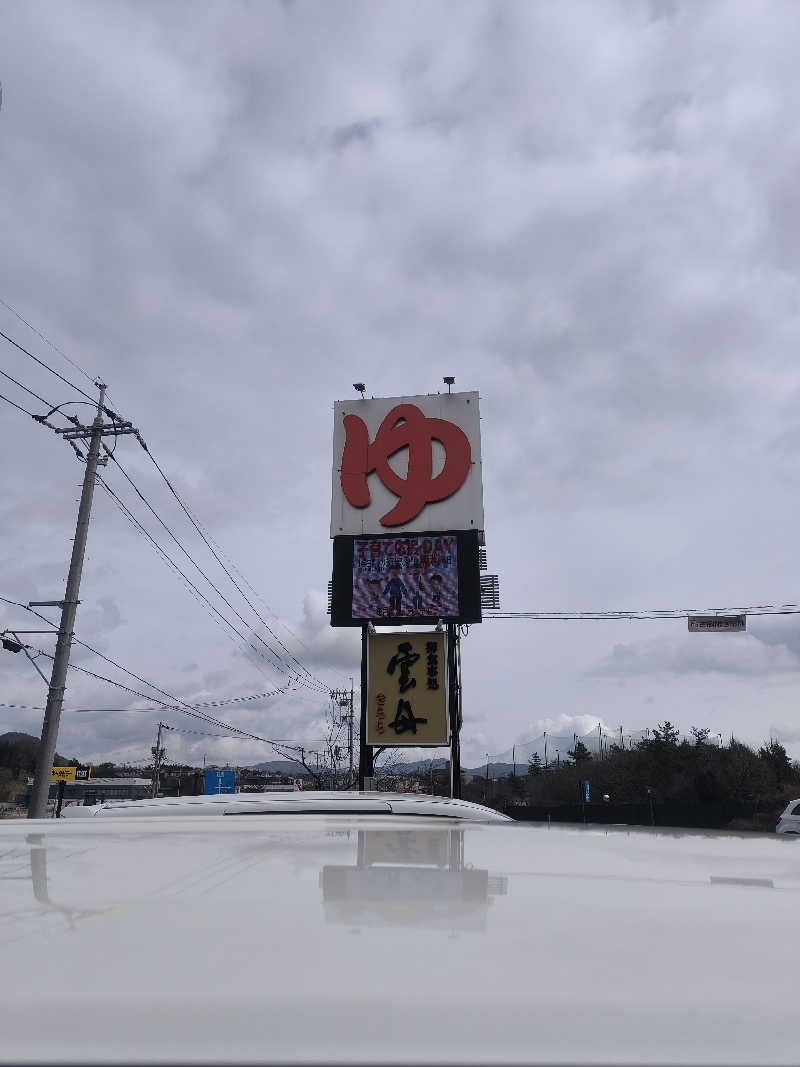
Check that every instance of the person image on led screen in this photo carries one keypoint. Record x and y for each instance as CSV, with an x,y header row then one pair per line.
x,y
436,590
395,590
418,599
374,588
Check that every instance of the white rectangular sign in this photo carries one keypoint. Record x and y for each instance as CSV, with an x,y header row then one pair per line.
x,y
407,463
717,624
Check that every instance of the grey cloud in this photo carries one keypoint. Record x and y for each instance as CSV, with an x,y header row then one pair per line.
x,y
785,734
599,238
362,132
733,654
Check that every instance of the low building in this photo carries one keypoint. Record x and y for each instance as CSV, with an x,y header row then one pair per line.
x,y
254,782
95,790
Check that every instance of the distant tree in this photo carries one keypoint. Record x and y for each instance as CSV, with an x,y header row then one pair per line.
x,y
580,752
666,734
700,735
516,786
535,765
776,758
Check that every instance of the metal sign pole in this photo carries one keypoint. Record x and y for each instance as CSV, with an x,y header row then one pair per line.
x,y
365,766
454,708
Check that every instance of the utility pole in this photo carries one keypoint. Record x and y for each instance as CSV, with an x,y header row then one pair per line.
x,y
158,758
69,605
343,699
350,740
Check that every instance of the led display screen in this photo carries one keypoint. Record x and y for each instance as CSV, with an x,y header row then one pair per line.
x,y
409,578
405,577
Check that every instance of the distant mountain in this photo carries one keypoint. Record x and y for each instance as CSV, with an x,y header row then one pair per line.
x,y
422,767
280,766
19,750
419,767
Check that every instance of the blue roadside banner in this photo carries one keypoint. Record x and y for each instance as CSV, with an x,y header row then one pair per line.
x,y
219,781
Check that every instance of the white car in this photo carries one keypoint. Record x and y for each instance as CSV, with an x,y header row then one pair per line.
x,y
789,822
431,932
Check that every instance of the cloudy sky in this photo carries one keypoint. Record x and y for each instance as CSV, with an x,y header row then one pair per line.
x,y
587,211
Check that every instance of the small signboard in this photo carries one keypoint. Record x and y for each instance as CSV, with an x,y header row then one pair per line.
x,y
70,774
223,781
63,774
587,793
406,689
717,624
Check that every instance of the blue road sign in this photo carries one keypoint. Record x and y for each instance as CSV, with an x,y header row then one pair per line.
x,y
586,791
219,781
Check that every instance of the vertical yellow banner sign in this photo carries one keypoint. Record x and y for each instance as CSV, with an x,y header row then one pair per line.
x,y
406,689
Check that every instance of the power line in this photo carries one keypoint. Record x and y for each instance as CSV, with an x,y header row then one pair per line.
x,y
643,615
47,341
185,710
211,549
132,518
46,366
203,733
315,682
27,390
198,596
278,659
19,407
258,596
203,704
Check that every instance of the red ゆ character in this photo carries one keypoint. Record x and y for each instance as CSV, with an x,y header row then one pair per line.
x,y
404,427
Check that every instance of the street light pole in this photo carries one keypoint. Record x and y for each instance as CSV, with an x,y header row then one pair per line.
x,y
69,605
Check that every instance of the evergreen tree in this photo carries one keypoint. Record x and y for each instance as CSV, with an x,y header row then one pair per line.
x,y
776,757
580,752
666,734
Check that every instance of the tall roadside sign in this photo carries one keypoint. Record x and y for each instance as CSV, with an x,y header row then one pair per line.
x,y
408,529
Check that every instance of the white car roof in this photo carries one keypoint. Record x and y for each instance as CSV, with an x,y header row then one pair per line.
x,y
354,938
306,803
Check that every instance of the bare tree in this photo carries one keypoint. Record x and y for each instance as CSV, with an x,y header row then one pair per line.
x,y
327,764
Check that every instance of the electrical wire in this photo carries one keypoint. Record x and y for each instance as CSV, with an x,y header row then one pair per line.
x,y
216,556
132,518
643,615
185,710
145,681
30,392
194,592
47,341
46,366
19,407
312,680
257,595
202,733
278,659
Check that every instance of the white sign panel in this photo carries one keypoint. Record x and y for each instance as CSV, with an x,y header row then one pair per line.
x,y
717,624
407,463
